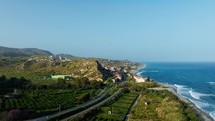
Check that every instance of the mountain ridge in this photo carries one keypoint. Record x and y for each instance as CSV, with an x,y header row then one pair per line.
x,y
22,52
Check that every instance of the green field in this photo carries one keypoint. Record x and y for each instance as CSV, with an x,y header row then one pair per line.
x,y
118,108
161,106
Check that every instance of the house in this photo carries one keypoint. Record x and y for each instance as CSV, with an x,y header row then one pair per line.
x,y
118,76
112,69
66,77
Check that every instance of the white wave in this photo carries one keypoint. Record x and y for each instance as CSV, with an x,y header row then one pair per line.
x,y
139,73
212,83
140,68
212,114
200,104
144,66
179,86
154,71
198,95
189,92
182,90
151,71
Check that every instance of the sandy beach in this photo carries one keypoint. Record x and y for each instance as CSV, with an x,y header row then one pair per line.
x,y
203,116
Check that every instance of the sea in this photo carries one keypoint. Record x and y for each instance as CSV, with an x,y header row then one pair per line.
x,y
194,81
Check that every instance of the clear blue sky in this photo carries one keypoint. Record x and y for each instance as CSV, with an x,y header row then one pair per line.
x,y
140,30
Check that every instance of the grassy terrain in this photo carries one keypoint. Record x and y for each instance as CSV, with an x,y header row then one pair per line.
x,y
5,61
42,67
118,109
161,106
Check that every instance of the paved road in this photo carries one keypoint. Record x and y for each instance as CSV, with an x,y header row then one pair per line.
x,y
44,118
94,106
203,116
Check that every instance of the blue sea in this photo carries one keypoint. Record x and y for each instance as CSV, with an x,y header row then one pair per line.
x,y
194,81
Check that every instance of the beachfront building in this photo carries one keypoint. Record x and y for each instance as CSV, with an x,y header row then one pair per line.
x,y
139,79
65,77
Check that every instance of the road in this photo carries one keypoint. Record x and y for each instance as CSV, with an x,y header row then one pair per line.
x,y
44,118
94,106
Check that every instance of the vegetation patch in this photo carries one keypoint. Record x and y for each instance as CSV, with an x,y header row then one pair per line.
x,y
117,109
161,106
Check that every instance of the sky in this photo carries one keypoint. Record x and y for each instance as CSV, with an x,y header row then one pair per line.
x,y
139,30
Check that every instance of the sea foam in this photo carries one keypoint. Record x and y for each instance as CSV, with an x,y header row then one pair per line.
x,y
150,71
198,95
200,104
139,73
212,114
212,83
182,90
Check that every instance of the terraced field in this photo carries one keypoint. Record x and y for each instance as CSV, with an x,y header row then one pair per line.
x,y
116,110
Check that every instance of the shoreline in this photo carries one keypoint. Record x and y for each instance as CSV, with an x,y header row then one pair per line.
x,y
202,115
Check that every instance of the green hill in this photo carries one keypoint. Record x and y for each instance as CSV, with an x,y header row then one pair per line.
x,y
25,52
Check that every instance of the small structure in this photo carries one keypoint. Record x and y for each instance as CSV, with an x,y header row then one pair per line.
x,y
146,103
65,77
112,69
15,92
139,79
118,76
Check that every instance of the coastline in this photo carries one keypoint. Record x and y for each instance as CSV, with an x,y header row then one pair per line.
x,y
202,115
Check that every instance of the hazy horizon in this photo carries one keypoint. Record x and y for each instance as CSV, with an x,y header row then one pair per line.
x,y
160,31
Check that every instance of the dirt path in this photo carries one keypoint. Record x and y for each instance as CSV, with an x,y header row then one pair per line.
x,y
130,109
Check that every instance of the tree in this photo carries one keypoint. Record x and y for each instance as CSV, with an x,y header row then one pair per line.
x,y
17,114
13,79
3,78
148,79
82,82
84,98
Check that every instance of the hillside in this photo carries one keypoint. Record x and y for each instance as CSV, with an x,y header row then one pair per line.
x,y
25,52
89,68
33,63
66,57
40,67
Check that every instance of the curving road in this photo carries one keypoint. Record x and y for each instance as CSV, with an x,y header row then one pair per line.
x,y
44,118
94,106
